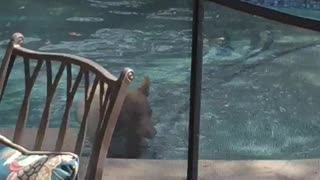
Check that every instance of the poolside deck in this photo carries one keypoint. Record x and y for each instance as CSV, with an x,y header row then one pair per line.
x,y
213,170
124,169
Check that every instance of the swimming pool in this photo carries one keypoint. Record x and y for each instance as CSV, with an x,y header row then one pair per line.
x,y
260,78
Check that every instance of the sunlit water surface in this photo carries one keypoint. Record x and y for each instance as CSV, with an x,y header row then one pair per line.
x,y
260,95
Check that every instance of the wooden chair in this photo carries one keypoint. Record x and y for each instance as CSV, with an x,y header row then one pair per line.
x,y
111,99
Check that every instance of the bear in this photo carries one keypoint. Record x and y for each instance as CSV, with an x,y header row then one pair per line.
x,y
134,127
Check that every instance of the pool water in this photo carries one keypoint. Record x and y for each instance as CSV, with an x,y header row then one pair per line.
x,y
260,87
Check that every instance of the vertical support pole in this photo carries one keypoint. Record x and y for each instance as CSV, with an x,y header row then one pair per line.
x,y
195,90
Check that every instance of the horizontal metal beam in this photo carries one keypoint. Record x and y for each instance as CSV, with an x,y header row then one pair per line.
x,y
271,14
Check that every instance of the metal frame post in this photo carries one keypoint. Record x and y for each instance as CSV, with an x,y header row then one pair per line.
x,y
195,90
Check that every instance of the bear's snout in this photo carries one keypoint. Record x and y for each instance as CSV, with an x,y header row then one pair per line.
x,y
151,133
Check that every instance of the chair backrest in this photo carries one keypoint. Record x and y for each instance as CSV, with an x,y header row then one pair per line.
x,y
111,99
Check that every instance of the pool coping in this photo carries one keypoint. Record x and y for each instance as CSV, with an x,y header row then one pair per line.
x,y
134,169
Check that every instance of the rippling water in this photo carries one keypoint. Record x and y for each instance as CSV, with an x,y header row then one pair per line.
x,y
260,94
151,40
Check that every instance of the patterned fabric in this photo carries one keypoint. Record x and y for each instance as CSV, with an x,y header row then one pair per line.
x,y
16,166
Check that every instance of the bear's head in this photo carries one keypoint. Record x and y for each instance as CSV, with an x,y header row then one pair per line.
x,y
134,122
136,113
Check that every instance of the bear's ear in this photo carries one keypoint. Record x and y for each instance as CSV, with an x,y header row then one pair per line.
x,y
145,86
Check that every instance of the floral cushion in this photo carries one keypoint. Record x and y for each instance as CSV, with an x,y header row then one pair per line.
x,y
17,165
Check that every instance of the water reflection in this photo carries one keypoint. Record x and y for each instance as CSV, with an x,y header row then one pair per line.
x,y
152,37
112,4
127,43
173,14
84,19
261,83
260,78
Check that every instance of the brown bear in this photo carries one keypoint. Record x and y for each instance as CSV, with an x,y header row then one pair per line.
x,y
134,124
